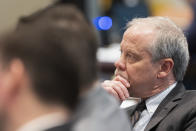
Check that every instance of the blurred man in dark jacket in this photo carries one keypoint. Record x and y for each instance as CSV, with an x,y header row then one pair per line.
x,y
55,50
40,70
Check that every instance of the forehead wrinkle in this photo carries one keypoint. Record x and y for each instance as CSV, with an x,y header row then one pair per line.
x,y
144,36
130,37
131,46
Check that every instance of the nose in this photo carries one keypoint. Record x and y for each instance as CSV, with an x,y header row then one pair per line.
x,y
120,64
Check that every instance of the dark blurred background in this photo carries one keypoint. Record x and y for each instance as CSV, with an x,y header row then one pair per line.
x,y
182,12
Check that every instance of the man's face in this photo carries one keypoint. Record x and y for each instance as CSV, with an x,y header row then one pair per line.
x,y
135,63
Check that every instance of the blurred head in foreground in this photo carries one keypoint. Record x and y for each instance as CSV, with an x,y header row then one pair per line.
x,y
42,63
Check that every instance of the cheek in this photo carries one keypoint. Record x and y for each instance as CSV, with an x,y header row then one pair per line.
x,y
140,72
135,72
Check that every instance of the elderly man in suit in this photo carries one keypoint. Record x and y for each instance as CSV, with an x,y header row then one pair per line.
x,y
154,58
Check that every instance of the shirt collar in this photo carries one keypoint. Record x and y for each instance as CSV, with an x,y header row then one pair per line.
x,y
153,102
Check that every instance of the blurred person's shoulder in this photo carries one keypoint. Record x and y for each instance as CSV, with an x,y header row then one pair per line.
x,y
64,127
98,110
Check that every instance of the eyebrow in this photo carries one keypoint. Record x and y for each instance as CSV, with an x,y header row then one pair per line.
x,y
131,51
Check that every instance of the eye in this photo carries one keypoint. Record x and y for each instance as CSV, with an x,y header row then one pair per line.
x,y
130,58
129,55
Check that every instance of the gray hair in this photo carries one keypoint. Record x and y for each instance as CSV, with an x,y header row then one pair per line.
x,y
170,42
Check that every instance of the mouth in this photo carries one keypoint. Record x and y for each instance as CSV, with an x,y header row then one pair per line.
x,y
119,74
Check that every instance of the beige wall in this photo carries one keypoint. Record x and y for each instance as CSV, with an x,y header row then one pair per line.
x,y
11,10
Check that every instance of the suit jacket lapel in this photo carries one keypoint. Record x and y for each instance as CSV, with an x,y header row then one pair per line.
x,y
169,103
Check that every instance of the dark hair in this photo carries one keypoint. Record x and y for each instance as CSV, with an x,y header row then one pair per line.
x,y
58,49
78,3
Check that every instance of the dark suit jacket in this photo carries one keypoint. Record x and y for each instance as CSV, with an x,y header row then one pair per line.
x,y
177,112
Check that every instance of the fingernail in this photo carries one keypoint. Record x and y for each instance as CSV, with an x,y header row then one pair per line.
x,y
128,84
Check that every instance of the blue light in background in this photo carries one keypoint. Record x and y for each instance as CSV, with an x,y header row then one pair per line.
x,y
105,23
102,23
96,23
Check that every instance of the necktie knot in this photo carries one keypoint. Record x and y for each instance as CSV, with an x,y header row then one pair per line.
x,y
141,106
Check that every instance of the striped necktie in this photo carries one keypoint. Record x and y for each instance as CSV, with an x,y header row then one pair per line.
x,y
136,114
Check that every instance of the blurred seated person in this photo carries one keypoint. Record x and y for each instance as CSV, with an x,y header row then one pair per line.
x,y
39,71
191,38
96,110
191,32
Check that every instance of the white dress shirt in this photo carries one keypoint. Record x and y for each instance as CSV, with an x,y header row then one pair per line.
x,y
44,122
151,104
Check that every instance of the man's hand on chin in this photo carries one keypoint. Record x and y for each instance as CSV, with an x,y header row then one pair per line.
x,y
117,87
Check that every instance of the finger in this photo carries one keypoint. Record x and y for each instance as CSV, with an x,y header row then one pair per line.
x,y
114,88
108,87
124,81
106,83
123,88
119,91
113,92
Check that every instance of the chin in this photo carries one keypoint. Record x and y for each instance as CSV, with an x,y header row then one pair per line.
x,y
139,95
134,94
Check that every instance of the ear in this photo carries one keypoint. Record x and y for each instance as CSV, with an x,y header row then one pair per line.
x,y
12,79
166,66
